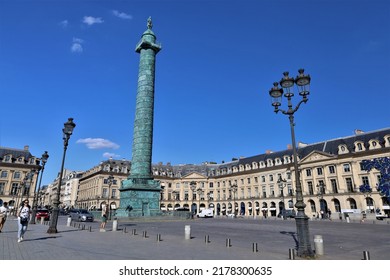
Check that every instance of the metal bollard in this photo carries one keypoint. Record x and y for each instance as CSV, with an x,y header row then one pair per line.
x,y
254,248
124,230
319,244
347,218
115,225
366,255
187,232
42,220
207,239
158,237
228,243
69,221
134,231
291,254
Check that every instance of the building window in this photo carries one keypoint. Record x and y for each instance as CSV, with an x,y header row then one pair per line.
x,y
113,193
256,180
365,181
211,185
310,188
349,184
347,167
332,169
2,186
263,189
333,182
14,188
249,180
308,172
271,178
4,174
263,179
319,171
104,194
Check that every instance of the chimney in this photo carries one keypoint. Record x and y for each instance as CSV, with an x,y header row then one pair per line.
x,y
26,148
289,147
268,152
358,131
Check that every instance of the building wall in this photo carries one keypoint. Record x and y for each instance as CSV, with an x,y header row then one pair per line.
x,y
15,165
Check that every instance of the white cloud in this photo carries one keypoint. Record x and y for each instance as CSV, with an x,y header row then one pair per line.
x,y
77,46
121,15
98,143
64,23
92,20
111,155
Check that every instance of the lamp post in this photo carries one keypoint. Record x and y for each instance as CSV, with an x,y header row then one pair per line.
x,y
320,194
193,187
28,176
199,191
67,132
44,158
234,188
110,180
282,185
302,81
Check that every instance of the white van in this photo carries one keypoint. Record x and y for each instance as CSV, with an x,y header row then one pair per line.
x,y
206,213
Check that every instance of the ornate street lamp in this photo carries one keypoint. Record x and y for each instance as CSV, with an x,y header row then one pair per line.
x,y
234,189
282,185
303,82
110,180
67,132
44,158
199,191
193,188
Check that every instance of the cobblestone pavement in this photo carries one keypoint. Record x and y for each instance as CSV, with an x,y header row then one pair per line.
x,y
138,240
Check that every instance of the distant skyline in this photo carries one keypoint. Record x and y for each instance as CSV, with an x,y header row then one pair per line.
x,y
61,59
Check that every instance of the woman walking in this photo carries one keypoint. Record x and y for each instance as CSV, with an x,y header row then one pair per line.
x,y
23,218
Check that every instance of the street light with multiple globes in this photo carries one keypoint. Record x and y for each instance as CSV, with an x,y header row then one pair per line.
x,y
67,132
44,158
303,82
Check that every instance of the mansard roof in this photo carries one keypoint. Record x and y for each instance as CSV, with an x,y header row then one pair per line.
x,y
15,153
328,146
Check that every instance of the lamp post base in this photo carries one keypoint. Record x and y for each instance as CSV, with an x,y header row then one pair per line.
x,y
304,246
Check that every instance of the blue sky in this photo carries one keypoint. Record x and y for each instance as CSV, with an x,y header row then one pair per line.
x,y
61,59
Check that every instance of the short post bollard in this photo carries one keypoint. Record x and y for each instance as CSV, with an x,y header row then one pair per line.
x,y
115,225
254,248
68,221
319,244
291,254
228,243
144,234
42,220
187,232
366,255
134,231
207,239
158,237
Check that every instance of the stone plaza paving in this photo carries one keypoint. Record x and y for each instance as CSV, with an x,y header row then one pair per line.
x,y
165,240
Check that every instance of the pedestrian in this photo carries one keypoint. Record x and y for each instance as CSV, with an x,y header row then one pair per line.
x,y
23,218
104,217
329,215
3,214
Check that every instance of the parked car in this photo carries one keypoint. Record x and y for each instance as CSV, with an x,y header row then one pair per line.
x,y
81,215
42,213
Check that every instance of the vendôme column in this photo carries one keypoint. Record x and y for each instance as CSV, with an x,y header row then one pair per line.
x,y
140,194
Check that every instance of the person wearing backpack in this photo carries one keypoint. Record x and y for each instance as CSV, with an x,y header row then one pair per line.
x,y
23,218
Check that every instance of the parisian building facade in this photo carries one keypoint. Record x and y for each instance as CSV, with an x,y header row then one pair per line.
x,y
261,185
257,186
19,171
